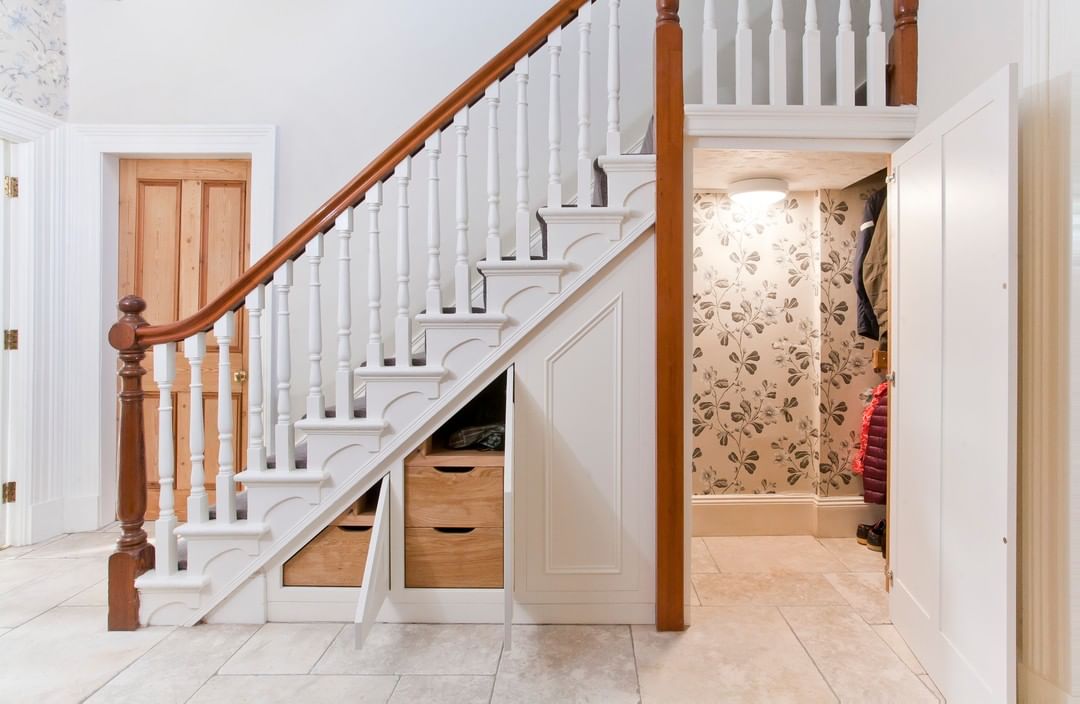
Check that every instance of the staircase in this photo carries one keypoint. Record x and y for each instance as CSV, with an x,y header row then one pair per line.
x,y
304,468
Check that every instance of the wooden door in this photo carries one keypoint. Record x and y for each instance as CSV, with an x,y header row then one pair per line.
x,y
183,238
952,407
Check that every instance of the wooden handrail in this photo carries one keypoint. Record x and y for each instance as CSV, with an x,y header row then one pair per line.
x,y
412,141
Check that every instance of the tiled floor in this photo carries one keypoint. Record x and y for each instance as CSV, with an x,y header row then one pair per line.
x,y
775,620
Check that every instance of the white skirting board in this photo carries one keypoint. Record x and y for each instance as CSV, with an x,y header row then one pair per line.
x,y
781,514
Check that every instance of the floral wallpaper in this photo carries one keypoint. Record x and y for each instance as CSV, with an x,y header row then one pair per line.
x,y
778,368
33,55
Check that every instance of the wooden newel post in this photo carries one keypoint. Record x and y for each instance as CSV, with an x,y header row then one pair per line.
x,y
671,303
904,54
133,555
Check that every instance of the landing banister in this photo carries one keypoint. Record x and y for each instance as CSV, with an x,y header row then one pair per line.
x,y
380,169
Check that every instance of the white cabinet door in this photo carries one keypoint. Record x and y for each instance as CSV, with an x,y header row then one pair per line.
x,y
377,568
508,512
952,440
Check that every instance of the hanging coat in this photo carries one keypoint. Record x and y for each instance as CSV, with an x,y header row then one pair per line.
x,y
865,319
870,459
875,273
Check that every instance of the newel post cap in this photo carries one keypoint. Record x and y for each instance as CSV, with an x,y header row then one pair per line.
x,y
123,335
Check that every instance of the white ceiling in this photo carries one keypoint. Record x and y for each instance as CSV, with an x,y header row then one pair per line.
x,y
717,169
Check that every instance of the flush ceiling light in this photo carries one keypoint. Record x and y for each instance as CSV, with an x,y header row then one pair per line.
x,y
758,192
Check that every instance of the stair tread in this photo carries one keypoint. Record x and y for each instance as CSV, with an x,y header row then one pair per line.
x,y
418,361
452,310
300,455
359,409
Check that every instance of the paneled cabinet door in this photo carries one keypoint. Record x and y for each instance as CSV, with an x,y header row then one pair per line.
x,y
184,236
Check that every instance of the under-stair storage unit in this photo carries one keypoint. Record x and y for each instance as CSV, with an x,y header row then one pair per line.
x,y
336,556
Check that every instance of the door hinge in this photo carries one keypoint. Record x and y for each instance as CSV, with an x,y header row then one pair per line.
x,y
891,178
8,493
11,339
11,186
889,579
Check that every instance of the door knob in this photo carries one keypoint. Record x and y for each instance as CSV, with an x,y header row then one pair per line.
x,y
239,376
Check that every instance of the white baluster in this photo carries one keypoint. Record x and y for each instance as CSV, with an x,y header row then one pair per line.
x,y
875,58
402,324
554,199
462,284
777,56
256,450
225,500
811,56
709,55
343,377
494,247
521,212
584,160
375,344
744,56
165,539
198,510
316,405
614,135
845,57
434,292
284,435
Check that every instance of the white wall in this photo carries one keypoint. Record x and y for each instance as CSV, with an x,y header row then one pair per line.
x,y
961,44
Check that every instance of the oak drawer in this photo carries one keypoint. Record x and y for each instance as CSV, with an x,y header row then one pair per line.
x,y
453,497
334,558
453,557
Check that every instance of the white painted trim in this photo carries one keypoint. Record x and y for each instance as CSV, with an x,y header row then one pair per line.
x,y
90,236
781,514
801,122
21,124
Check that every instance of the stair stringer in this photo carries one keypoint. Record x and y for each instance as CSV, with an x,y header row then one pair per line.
x,y
185,599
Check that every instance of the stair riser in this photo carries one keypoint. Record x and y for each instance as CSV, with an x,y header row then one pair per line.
x,y
387,396
214,557
634,190
502,289
449,347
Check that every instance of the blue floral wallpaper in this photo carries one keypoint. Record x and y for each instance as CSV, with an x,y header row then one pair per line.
x,y
778,369
33,55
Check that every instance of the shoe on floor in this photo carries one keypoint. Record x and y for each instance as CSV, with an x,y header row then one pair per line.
x,y
862,532
876,538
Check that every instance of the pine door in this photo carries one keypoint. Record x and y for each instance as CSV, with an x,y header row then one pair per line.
x,y
183,238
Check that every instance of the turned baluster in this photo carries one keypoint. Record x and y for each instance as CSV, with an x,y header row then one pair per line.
x,y
554,198
198,503
225,487
343,377
134,554
521,213
256,449
584,160
614,119
744,55
811,56
709,55
375,344
462,283
845,57
434,285
316,405
494,246
284,435
875,58
402,324
777,56
164,375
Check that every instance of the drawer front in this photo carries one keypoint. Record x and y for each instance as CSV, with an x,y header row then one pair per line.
x,y
437,558
453,497
333,558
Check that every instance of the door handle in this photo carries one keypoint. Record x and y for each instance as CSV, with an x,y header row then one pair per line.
x,y
239,376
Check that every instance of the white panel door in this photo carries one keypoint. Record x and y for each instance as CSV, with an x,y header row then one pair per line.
x,y
376,584
508,512
952,440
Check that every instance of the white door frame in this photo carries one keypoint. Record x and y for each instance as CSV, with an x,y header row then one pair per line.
x,y
34,148
92,230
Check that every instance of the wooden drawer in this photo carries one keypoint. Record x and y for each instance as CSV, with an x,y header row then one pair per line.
x,y
334,558
453,557
453,497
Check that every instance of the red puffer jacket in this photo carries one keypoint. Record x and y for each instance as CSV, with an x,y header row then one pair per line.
x,y
870,460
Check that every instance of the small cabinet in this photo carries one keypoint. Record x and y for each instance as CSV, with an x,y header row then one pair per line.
x,y
337,555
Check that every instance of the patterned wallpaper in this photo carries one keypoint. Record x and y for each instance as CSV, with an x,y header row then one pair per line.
x,y
33,55
777,366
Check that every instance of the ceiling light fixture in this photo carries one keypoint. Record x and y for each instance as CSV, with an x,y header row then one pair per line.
x,y
758,192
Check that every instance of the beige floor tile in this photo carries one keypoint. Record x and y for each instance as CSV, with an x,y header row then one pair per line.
x,y
5,630
29,588
76,545
282,649
304,689
730,655
10,553
695,600
416,649
764,589
865,591
443,689
889,634
858,665
568,664
702,562
176,668
793,554
66,654
929,684
857,558
94,595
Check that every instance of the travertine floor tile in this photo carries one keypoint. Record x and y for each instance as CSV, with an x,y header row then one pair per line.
x,y
857,664
702,562
282,649
892,638
568,664
763,589
443,689
929,684
76,545
94,595
416,649
729,654
176,667
772,554
303,689
29,588
857,558
866,594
